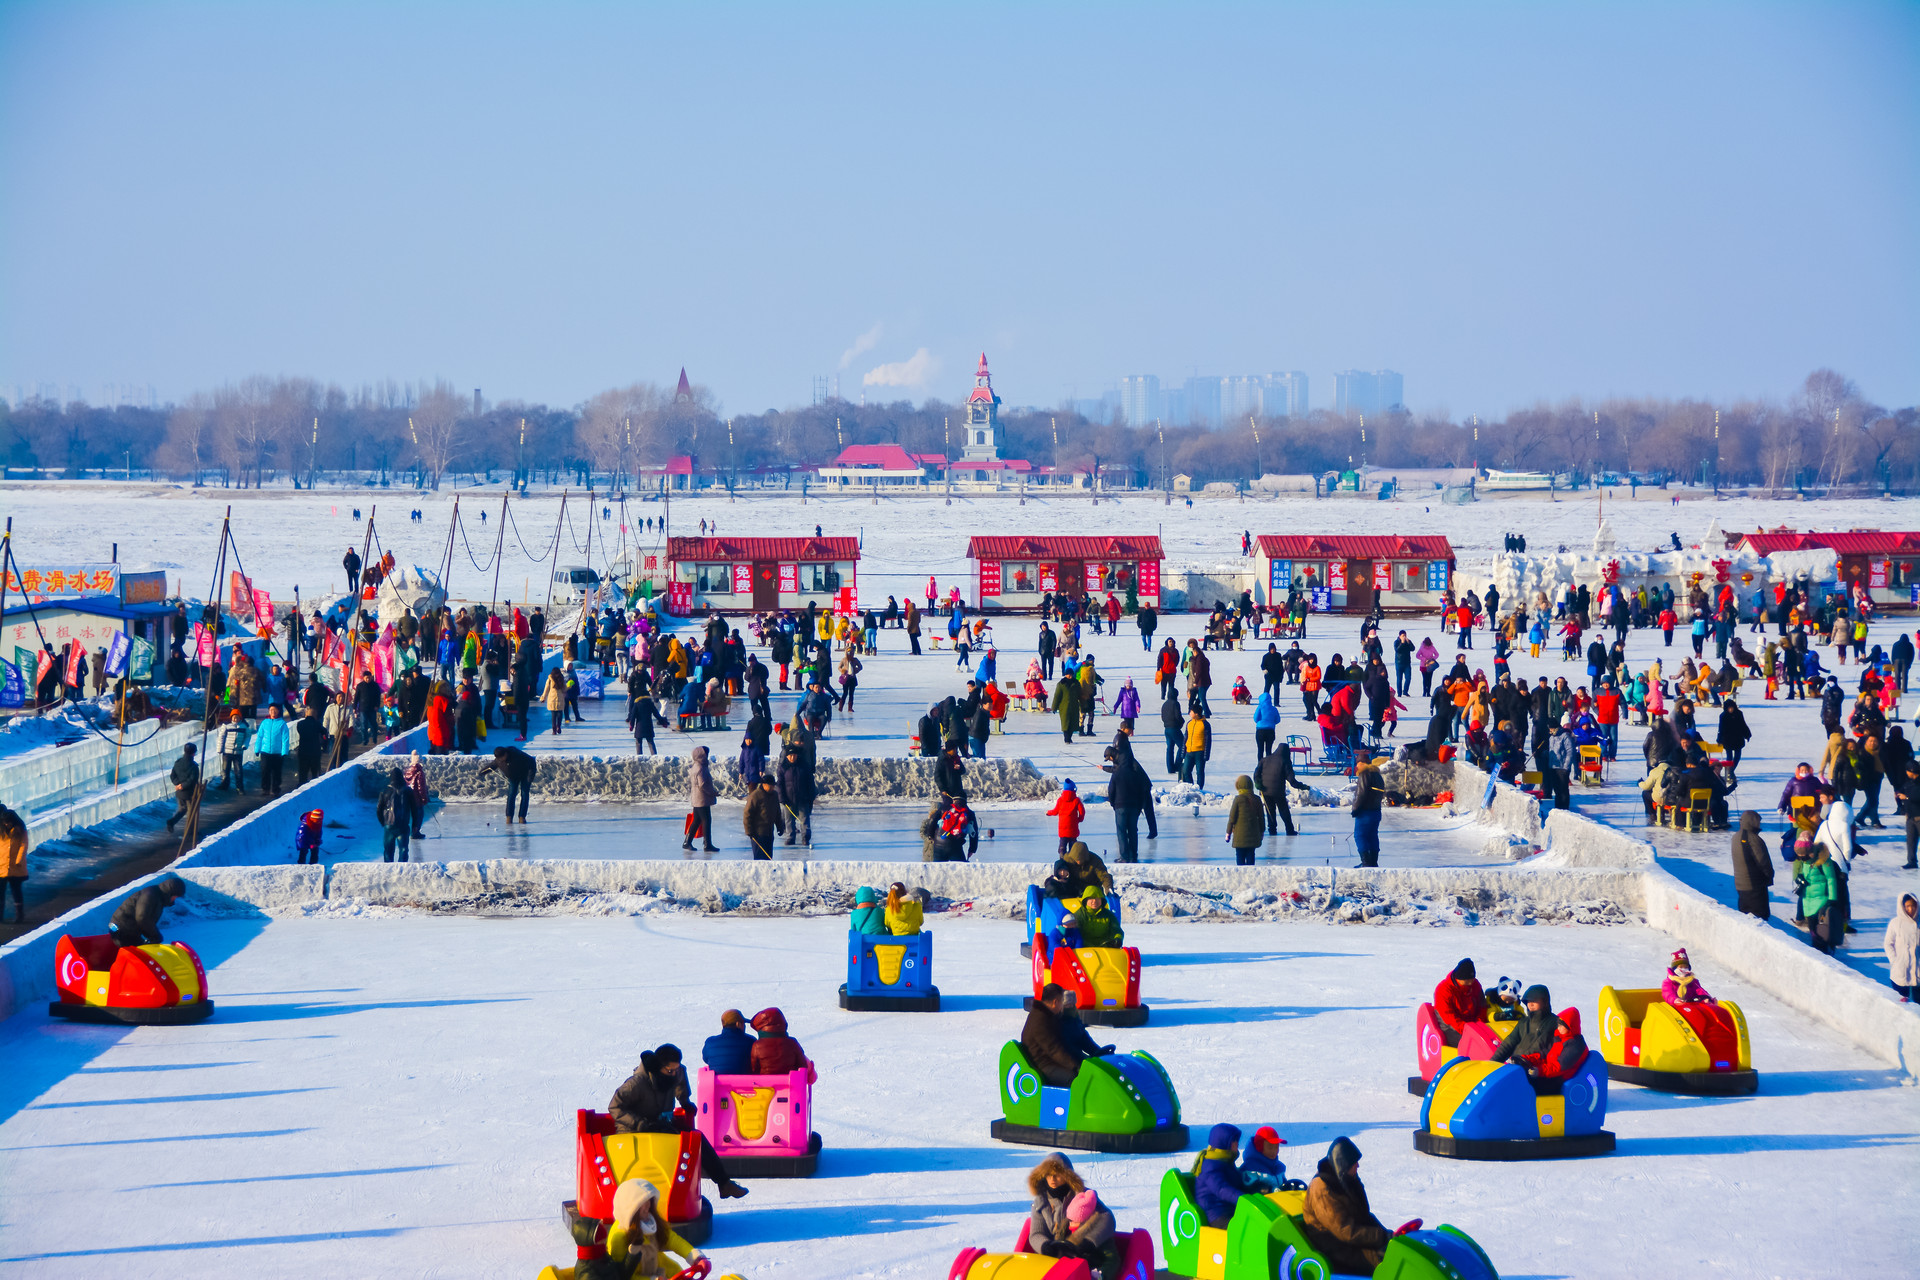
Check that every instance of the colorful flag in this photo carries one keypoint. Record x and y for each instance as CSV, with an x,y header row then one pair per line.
x,y
13,685
205,648
142,660
262,607
119,649
383,661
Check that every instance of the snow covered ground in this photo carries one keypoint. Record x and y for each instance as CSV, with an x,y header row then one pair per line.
x,y
289,539
395,1096
393,1093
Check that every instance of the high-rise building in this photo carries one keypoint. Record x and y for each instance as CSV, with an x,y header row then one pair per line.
x,y
1242,396
1140,398
1203,401
1285,395
1356,391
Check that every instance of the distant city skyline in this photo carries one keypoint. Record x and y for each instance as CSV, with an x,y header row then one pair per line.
x,y
200,194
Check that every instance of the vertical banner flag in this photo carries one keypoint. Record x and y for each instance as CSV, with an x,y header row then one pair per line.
x,y
239,594
118,650
34,660
262,606
383,662
141,662
204,647
13,685
76,658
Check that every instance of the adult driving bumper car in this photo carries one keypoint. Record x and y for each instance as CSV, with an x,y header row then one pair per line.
x,y
152,984
1478,1040
1118,1102
1265,1240
1699,1047
887,974
1025,1263
760,1126
1476,1110
604,1159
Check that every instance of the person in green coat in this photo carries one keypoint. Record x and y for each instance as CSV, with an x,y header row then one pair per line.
x,y
868,915
1246,821
1819,883
1067,701
1098,926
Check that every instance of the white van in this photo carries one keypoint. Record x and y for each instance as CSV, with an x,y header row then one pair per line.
x,y
572,581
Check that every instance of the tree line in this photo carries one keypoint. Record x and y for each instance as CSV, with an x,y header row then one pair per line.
x,y
264,430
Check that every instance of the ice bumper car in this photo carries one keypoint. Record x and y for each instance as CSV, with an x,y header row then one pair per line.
x,y
1265,1241
1478,1110
887,974
1120,1102
604,1159
760,1126
1478,1040
1053,917
158,983
1025,1263
1105,981
1690,1048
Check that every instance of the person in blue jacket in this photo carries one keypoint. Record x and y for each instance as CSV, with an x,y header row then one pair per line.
x,y
869,914
1217,1184
1266,719
731,1052
1260,1167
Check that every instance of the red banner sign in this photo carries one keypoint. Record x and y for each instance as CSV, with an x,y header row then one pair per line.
x,y
743,579
1092,576
1877,573
1049,576
789,579
1149,577
1337,575
989,579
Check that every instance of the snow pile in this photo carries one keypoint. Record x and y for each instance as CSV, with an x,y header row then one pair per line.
x,y
586,778
409,588
1421,779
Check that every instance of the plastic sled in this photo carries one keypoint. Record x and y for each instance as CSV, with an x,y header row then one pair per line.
x,y
1026,1263
760,1126
1489,1111
1121,1102
1478,1040
153,984
604,1159
1697,1048
1265,1240
1050,916
888,974
1105,981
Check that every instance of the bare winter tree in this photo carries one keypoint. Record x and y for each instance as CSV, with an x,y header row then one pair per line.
x,y
615,426
188,446
247,432
437,429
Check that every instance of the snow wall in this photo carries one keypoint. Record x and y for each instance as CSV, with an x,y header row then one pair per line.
x,y
587,778
1520,574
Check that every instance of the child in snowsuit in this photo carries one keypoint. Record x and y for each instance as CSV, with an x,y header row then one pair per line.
x,y
1071,811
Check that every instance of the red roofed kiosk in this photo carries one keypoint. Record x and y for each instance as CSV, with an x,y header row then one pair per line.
x,y
1407,574
1887,564
1014,571
742,575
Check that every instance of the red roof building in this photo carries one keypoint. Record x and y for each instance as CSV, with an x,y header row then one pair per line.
x,y
1886,564
1354,573
757,574
1013,571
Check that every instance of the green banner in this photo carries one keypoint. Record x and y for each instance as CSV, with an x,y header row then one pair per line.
x,y
142,659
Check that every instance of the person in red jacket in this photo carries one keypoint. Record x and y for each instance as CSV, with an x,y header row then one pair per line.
x,y
1667,623
1457,1001
775,1053
1606,713
1071,811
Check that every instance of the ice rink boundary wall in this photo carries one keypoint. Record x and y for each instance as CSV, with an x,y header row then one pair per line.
x,y
1769,956
561,779
263,836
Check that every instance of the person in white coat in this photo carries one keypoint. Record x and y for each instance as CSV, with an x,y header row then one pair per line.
x,y
1903,947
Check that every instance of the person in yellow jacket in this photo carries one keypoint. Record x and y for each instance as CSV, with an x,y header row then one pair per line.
x,y
1199,743
639,1245
904,914
13,861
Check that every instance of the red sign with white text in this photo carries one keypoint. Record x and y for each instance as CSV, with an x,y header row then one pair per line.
x,y
989,579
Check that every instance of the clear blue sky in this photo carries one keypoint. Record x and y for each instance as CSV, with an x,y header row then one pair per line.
x,y
1503,202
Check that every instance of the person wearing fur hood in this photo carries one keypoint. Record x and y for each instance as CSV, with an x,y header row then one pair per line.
x,y
1067,1219
652,1248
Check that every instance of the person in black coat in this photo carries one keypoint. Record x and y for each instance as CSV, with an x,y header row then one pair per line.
x,y
1047,646
1149,619
929,731
1273,777
137,919
1734,733
1130,793
950,774
795,784
1175,727
310,737
643,713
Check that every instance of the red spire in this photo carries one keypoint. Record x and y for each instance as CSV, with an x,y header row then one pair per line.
x,y
683,391
982,372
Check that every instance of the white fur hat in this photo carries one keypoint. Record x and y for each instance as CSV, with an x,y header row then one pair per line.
x,y
633,1205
